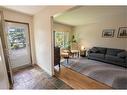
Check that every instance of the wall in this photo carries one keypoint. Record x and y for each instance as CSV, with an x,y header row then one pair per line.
x,y
20,17
43,36
4,83
59,27
91,34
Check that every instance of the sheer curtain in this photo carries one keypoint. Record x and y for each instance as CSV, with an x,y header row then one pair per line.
x,y
66,38
61,39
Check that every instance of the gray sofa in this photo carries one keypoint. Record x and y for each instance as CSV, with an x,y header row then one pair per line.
x,y
109,55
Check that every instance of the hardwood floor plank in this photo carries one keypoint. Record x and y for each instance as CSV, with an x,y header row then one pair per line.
x,y
77,80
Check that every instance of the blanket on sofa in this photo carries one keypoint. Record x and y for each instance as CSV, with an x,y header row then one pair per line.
x,y
109,74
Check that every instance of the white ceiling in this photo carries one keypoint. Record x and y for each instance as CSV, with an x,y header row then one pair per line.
x,y
31,10
88,14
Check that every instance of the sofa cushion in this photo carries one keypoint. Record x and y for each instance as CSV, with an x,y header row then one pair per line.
x,y
114,59
126,61
94,50
97,55
113,52
101,50
122,54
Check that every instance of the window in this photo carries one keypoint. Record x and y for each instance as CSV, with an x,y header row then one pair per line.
x,y
61,38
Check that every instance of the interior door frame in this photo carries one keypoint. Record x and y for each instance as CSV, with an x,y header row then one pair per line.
x,y
52,45
29,39
52,35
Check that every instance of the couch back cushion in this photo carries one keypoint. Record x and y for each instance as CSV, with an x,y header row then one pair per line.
x,y
113,52
100,50
126,61
122,54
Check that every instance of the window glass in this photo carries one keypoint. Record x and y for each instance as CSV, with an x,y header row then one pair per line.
x,y
61,38
16,38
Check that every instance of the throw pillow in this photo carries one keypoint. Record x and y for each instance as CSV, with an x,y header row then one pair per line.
x,y
122,54
94,50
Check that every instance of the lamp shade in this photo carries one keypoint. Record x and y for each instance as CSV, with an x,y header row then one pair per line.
x,y
82,47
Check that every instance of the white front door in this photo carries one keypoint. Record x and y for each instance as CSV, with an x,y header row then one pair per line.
x,y
18,44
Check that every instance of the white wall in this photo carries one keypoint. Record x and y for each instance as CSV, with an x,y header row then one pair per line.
x,y
4,83
20,17
43,36
91,34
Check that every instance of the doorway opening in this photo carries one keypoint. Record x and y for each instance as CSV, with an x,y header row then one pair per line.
x,y
18,44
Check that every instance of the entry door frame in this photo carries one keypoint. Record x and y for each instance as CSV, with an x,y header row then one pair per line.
x,y
28,39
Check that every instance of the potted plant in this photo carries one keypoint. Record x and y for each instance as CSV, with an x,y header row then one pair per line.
x,y
74,39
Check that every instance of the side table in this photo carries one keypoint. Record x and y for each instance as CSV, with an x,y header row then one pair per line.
x,y
83,53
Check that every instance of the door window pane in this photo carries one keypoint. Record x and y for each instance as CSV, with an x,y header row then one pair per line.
x,y
16,38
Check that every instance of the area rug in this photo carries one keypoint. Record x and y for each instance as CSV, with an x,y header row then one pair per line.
x,y
111,75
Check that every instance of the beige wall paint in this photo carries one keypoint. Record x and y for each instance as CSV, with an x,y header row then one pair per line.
x,y
43,36
4,83
21,17
63,28
91,34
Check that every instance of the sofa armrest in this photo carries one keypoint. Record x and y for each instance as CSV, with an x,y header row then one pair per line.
x,y
89,51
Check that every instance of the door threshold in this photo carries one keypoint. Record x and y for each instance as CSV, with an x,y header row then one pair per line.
x,y
21,67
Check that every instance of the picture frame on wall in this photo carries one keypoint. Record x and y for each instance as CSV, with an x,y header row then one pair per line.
x,y
122,32
108,33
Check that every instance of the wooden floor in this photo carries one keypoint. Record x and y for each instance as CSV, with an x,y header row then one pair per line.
x,y
76,80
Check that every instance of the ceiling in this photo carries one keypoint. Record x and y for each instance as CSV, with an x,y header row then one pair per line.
x,y
88,14
31,10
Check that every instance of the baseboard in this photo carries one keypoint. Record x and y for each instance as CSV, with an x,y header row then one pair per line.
x,y
45,70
